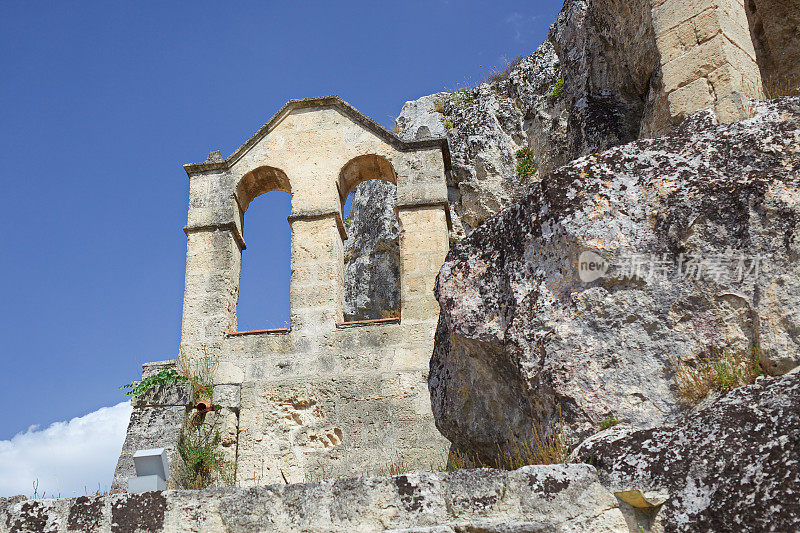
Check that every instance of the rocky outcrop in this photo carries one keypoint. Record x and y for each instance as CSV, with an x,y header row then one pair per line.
x,y
486,126
372,253
610,63
731,467
773,26
564,498
576,299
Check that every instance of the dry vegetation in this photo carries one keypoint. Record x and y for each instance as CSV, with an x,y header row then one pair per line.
x,y
779,87
716,369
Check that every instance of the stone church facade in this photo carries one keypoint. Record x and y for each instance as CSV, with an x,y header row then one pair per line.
x,y
323,397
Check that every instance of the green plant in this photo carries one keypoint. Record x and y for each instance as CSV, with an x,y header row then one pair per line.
x,y
448,124
609,421
165,376
438,106
200,373
201,458
348,221
557,91
526,167
716,369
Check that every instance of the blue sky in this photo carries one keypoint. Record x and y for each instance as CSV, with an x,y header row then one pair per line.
x,y
100,105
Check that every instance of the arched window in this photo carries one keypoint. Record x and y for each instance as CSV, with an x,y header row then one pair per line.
x,y
264,280
367,185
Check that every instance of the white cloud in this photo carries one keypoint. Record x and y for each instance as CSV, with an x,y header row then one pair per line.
x,y
521,25
69,458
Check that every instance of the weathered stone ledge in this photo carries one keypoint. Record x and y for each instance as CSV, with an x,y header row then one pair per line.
x,y
534,498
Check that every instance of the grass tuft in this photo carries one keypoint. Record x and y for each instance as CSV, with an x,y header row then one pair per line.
x,y
609,421
778,87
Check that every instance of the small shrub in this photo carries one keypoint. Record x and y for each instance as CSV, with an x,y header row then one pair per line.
x,y
397,129
526,167
165,376
557,91
500,75
438,106
718,370
202,459
609,421
448,124
348,221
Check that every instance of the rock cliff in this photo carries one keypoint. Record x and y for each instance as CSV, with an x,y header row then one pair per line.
x,y
579,298
372,253
486,126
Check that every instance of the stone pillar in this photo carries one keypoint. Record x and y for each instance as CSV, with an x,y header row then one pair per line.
x,y
424,242
213,264
707,57
316,289
213,261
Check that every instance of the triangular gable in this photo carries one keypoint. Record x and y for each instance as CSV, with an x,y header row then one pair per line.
x,y
323,101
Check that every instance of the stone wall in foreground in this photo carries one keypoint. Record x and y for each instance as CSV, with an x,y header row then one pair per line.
x,y
564,498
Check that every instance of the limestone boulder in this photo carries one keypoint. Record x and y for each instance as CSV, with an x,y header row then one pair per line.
x,y
734,466
372,253
486,126
576,299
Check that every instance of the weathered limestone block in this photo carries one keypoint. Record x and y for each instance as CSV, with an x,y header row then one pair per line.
x,y
316,426
522,335
730,467
155,422
565,498
149,427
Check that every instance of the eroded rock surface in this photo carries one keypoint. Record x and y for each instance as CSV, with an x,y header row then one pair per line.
x,y
734,466
697,231
372,253
486,126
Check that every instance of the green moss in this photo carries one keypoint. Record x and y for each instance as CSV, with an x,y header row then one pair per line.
x,y
609,421
526,167
557,91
